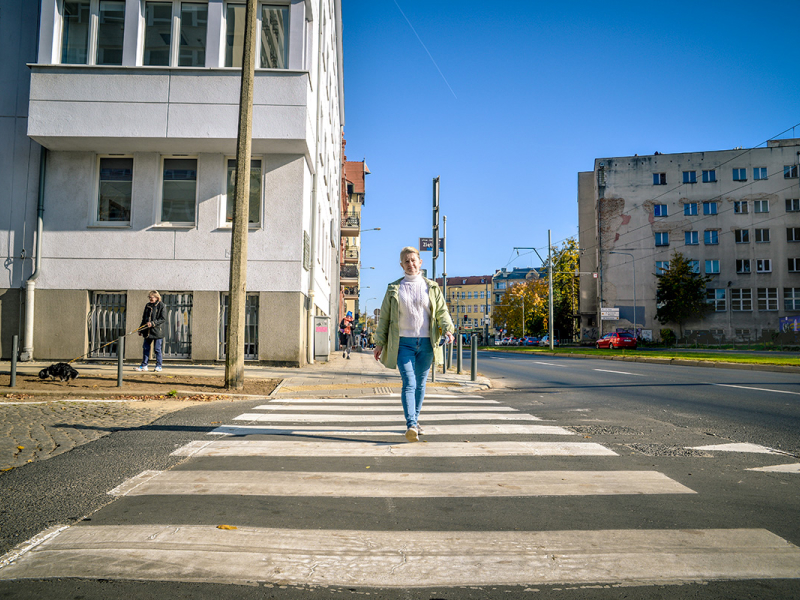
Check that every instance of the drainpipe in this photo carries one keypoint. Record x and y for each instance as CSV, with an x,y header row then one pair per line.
x,y
314,184
30,285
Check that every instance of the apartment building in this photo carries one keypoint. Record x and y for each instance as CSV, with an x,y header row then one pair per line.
x,y
355,174
734,213
132,106
469,301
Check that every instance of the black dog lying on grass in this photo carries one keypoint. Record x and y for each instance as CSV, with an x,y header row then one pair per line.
x,y
61,371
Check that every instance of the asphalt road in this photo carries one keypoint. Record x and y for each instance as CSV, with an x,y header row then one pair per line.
x,y
577,478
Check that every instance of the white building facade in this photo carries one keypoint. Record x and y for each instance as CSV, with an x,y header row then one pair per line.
x,y
734,213
136,103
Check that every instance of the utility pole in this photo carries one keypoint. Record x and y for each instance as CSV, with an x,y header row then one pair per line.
x,y
444,283
234,356
435,252
550,289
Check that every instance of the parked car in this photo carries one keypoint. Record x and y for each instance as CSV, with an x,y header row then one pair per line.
x,y
530,340
545,341
505,341
616,340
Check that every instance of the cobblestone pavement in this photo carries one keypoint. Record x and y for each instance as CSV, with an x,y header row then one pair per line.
x,y
38,431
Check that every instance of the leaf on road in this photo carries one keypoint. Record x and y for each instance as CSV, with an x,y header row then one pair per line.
x,y
227,527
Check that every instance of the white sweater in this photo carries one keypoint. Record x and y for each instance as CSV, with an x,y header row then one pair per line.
x,y
415,307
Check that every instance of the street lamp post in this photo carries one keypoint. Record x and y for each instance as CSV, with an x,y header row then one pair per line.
x,y
633,258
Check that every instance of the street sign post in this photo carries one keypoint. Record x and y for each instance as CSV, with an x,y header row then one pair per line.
x,y
426,244
609,314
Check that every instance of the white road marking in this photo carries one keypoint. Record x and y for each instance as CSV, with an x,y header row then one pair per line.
x,y
394,407
790,468
546,363
750,448
376,484
620,372
384,400
744,387
327,557
372,449
461,429
317,418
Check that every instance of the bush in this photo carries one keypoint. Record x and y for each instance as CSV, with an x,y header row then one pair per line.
x,y
668,337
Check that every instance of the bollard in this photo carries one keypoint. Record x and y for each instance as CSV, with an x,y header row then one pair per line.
x,y
120,359
14,348
473,359
459,357
450,355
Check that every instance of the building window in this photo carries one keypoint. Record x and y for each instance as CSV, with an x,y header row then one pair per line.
x,y
500,285
761,206
793,234
742,265
767,298
483,294
794,265
763,265
740,174
742,334
740,207
694,266
791,298
710,237
91,32
762,235
659,179
690,177
709,176
273,43
742,236
469,295
188,28
75,22
690,209
709,208
660,210
759,173
691,238
793,205
712,267
179,191
716,297
662,238
741,299
114,190
790,172
662,266
254,204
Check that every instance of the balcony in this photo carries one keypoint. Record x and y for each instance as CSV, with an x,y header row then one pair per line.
x,y
348,274
351,225
351,255
350,291
154,109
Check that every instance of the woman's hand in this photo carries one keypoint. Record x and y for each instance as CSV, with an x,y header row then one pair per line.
x,y
377,353
449,336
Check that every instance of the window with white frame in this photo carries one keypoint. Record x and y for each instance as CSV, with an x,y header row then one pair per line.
x,y
794,265
690,209
114,190
690,177
179,191
254,202
175,33
741,299
740,207
662,238
660,210
793,234
761,206
659,179
741,236
790,172
791,298
709,208
763,265
662,266
710,237
762,236
712,267
767,298
272,44
742,265
709,176
691,238
759,173
792,204
92,32
740,174
694,266
716,297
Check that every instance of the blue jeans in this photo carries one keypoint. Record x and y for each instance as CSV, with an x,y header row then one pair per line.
x,y
157,347
414,359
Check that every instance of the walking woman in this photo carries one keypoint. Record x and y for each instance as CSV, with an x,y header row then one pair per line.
x,y
413,318
153,320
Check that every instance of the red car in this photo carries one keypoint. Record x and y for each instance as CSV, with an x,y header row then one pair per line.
x,y
616,340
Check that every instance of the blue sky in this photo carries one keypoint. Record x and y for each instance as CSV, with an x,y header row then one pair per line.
x,y
529,94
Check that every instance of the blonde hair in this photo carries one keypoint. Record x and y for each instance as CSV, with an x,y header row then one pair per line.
x,y
408,250
154,293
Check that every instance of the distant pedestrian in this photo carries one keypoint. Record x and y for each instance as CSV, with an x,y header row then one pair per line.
x,y
346,334
371,340
413,317
153,320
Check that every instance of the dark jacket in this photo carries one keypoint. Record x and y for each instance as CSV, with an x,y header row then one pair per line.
x,y
155,314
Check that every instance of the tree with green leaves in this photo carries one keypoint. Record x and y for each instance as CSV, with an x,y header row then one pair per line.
x,y
681,293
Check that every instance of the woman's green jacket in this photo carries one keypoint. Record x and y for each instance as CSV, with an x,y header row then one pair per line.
x,y
388,333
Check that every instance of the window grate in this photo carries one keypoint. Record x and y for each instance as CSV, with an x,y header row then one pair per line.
x,y
250,327
106,323
178,328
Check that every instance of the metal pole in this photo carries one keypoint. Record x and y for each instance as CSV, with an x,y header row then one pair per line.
x,y
14,349
550,288
459,357
473,359
435,249
445,363
120,358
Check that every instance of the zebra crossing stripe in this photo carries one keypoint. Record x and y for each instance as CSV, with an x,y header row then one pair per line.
x,y
460,429
375,484
383,400
319,418
349,449
394,407
395,559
